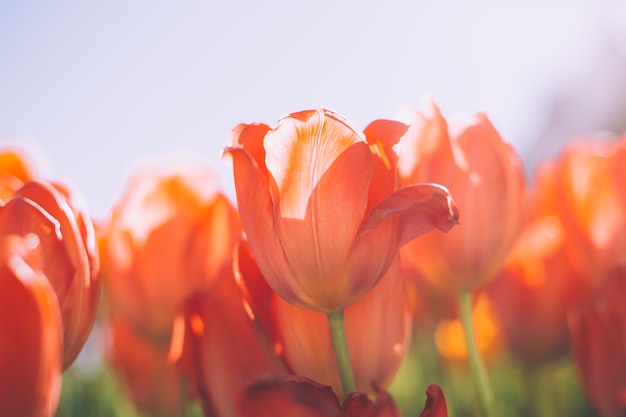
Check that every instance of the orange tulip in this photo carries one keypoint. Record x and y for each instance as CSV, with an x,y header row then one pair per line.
x,y
484,175
539,285
219,346
598,333
320,205
592,198
378,327
31,339
171,235
151,379
68,249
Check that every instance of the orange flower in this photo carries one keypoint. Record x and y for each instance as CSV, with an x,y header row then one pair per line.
x,y
320,205
485,177
378,327
31,339
598,333
171,234
68,250
152,380
538,285
592,197
298,396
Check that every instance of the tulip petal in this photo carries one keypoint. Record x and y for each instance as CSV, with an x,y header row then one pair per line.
x,y
257,216
31,339
435,403
401,217
322,170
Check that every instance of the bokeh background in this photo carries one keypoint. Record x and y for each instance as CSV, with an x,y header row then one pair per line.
x,y
92,90
96,88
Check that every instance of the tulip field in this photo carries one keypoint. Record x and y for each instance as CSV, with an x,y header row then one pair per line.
x,y
403,268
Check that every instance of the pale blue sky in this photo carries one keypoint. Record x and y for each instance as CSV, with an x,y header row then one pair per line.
x,y
99,87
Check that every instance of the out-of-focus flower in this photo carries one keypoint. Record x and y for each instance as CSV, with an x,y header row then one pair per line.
x,y
298,396
378,328
219,346
592,197
15,171
170,235
450,340
152,381
485,177
538,285
31,338
321,208
598,333
68,251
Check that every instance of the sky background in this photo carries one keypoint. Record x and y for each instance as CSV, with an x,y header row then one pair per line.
x,y
93,90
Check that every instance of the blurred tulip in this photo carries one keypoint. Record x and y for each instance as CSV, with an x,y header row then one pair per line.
x,y
378,327
15,171
592,198
598,333
538,285
31,339
68,251
321,208
151,380
302,397
219,346
170,235
485,178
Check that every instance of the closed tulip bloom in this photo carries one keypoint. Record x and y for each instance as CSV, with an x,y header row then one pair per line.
x,y
598,332
321,207
31,339
378,327
68,250
485,176
170,235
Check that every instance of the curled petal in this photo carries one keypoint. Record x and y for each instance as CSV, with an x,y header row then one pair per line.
x,y
435,405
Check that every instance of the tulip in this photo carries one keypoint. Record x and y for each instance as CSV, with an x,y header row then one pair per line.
x,y
592,199
31,339
484,175
378,327
291,396
320,205
170,235
539,284
598,333
219,346
68,249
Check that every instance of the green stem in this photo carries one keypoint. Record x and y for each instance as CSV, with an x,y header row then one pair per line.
x,y
477,368
340,343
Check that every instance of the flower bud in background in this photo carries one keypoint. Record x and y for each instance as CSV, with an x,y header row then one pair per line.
x,y
169,237
321,207
31,338
484,176
598,332
378,327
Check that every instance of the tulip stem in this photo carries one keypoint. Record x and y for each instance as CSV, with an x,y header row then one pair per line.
x,y
477,367
340,343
